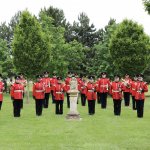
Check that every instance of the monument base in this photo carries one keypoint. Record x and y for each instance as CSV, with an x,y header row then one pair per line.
x,y
73,117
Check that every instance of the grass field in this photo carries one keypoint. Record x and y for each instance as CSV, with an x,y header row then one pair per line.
x,y
103,131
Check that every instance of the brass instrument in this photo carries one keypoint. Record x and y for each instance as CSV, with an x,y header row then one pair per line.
x,y
126,83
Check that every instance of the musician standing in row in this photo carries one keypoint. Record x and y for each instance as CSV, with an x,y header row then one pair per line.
x,y
67,84
53,84
126,89
17,92
59,90
1,91
133,85
103,86
38,95
141,87
47,84
91,95
116,92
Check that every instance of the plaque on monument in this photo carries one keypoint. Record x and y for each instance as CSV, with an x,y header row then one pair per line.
x,y
73,113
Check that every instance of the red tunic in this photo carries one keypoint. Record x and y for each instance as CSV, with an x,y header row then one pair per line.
x,y
67,84
59,91
91,91
103,85
53,83
1,90
17,91
140,88
82,88
127,85
23,82
133,86
116,90
38,90
47,84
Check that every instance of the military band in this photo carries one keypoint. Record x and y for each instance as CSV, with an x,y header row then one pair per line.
x,y
89,88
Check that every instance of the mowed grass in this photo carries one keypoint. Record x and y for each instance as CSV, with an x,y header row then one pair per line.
x,y
103,131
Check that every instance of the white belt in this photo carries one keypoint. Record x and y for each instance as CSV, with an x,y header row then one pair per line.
x,y
133,89
39,91
1,92
115,91
139,91
18,91
58,92
90,91
104,85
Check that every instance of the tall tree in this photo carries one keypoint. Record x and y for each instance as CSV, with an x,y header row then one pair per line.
x,y
30,48
130,48
147,5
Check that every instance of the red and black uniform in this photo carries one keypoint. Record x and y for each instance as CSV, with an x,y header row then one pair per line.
x,y
67,87
103,86
59,97
98,93
17,92
91,97
116,92
1,93
132,91
82,89
126,91
47,85
39,95
24,83
140,88
53,84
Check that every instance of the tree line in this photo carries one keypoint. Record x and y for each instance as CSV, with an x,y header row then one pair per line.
x,y
32,44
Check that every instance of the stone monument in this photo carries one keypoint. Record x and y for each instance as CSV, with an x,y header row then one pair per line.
x,y
73,113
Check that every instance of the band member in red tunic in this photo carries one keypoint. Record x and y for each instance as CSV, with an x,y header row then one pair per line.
x,y
38,95
47,84
1,91
98,92
91,95
126,89
67,86
59,90
116,92
103,86
23,81
17,92
133,85
140,88
53,84
83,90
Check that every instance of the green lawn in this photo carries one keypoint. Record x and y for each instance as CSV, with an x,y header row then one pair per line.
x,y
50,132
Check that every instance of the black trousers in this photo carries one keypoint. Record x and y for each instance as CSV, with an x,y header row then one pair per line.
x,y
103,99
17,107
68,100
91,107
53,97
59,106
98,98
21,105
133,103
117,107
46,100
38,106
127,98
140,108
83,99
1,104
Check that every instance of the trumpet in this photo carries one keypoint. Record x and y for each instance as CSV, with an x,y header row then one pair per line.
x,y
126,83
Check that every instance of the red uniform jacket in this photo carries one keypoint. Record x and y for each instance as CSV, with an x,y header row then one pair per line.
x,y
47,84
116,90
59,91
127,85
91,91
38,90
67,84
1,90
140,88
53,83
103,85
17,91
133,85
82,88
23,82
